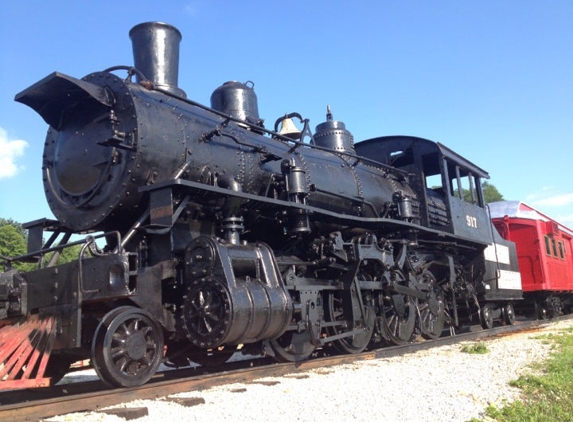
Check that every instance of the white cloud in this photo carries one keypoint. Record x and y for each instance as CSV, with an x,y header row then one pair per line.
x,y
554,203
550,196
558,200
566,219
9,152
191,8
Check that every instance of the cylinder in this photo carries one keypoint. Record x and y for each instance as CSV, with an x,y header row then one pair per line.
x,y
156,54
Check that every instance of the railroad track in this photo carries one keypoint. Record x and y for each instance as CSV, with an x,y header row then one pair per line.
x,y
36,404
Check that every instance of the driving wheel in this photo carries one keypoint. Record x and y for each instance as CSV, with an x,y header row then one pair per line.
x,y
432,309
292,346
358,341
398,318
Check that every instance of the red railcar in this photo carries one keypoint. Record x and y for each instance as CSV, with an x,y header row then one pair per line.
x,y
545,255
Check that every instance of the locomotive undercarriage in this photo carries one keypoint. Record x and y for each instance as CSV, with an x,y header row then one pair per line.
x,y
347,290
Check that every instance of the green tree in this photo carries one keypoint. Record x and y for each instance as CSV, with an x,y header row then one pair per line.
x,y
13,242
66,255
490,193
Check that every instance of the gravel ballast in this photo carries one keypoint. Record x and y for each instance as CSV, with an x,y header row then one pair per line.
x,y
441,384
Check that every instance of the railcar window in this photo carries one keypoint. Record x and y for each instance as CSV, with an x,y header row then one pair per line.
x,y
554,248
561,250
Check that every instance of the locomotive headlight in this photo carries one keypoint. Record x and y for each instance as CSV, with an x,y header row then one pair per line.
x,y
117,276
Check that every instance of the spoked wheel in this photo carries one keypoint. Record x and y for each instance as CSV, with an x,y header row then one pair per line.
x,y
432,310
206,313
292,346
296,345
127,347
486,317
398,318
508,314
358,341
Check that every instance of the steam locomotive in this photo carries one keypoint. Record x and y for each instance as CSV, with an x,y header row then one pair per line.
x,y
206,232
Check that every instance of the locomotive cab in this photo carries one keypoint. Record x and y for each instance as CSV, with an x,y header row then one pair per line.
x,y
451,200
448,185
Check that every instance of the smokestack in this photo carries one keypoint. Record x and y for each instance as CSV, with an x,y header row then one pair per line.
x,y
156,54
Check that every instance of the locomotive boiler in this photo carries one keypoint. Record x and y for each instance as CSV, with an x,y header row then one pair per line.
x,y
207,232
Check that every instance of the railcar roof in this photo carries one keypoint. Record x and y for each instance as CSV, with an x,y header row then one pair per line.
x,y
519,209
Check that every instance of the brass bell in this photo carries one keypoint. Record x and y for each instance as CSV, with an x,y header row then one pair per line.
x,y
289,129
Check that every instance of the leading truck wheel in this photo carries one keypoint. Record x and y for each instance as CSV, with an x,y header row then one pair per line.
x,y
127,347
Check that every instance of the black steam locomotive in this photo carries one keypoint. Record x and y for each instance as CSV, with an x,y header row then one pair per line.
x,y
207,232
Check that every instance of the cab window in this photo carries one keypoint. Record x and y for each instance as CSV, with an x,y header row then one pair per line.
x,y
465,185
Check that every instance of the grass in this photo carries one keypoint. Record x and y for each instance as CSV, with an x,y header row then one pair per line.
x,y
548,396
475,348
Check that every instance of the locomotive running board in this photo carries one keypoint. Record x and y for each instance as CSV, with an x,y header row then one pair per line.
x,y
162,193
25,348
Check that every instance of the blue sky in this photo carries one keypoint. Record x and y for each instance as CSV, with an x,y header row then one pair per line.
x,y
492,80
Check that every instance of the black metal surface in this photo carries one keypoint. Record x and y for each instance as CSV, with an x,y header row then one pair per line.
x,y
51,95
237,297
238,100
156,54
333,134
